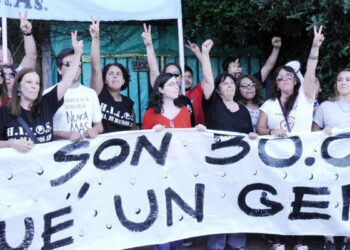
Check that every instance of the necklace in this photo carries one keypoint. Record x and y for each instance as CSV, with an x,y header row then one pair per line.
x,y
342,109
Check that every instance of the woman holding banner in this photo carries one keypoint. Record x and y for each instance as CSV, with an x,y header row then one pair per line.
x,y
223,112
291,107
335,114
117,109
28,118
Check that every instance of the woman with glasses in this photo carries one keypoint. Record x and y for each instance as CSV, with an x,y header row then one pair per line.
x,y
291,107
28,118
251,95
117,110
4,99
171,68
165,111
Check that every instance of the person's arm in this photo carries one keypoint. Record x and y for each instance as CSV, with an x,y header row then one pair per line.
x,y
69,135
208,77
195,50
68,78
97,128
271,61
30,53
310,77
134,119
151,55
263,129
96,74
315,127
21,145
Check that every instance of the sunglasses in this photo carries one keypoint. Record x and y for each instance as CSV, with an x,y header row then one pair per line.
x,y
10,75
176,74
247,85
288,77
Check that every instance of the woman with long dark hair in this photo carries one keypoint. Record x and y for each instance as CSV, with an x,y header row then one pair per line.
x,y
4,99
28,118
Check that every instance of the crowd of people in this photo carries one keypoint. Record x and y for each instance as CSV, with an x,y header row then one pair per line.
x,y
232,101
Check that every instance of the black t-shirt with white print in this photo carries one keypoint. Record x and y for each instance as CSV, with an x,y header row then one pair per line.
x,y
116,116
42,125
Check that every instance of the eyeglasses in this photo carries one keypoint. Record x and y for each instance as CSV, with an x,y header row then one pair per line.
x,y
10,75
288,77
176,74
172,84
247,85
67,64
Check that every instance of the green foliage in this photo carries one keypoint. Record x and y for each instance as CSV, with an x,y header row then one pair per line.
x,y
241,23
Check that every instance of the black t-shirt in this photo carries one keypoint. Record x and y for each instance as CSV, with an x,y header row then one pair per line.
x,y
116,116
185,101
219,117
42,125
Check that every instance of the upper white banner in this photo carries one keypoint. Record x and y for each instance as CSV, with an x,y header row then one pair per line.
x,y
108,10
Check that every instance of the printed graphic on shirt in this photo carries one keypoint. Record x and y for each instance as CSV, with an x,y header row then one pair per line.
x,y
291,121
43,133
76,114
116,116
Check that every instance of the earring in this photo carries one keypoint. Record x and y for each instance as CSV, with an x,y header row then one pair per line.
x,y
19,93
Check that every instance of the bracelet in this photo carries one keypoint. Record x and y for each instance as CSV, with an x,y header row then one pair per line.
x,y
27,34
313,57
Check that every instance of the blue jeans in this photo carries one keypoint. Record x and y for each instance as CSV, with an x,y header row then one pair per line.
x,y
218,241
174,245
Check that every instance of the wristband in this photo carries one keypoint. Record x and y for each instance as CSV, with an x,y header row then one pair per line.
x,y
27,34
270,131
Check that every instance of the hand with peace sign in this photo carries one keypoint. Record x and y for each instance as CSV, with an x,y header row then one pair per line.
x,y
206,46
318,37
193,47
147,35
77,45
95,27
25,25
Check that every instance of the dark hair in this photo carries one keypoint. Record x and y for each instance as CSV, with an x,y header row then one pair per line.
x,y
335,95
63,54
221,78
227,62
172,64
3,88
258,98
125,73
187,68
15,107
156,100
276,92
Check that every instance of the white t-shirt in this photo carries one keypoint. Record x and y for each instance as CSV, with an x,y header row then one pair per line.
x,y
254,115
80,109
299,119
333,114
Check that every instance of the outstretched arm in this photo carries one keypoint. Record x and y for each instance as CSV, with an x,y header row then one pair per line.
x,y
151,55
310,77
195,50
208,77
96,74
30,56
271,61
68,78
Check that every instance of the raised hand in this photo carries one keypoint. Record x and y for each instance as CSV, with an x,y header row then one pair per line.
x,y
193,47
207,45
318,37
77,45
25,25
276,42
95,27
147,35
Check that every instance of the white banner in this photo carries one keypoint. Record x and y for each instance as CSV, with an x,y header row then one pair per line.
x,y
108,10
130,189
